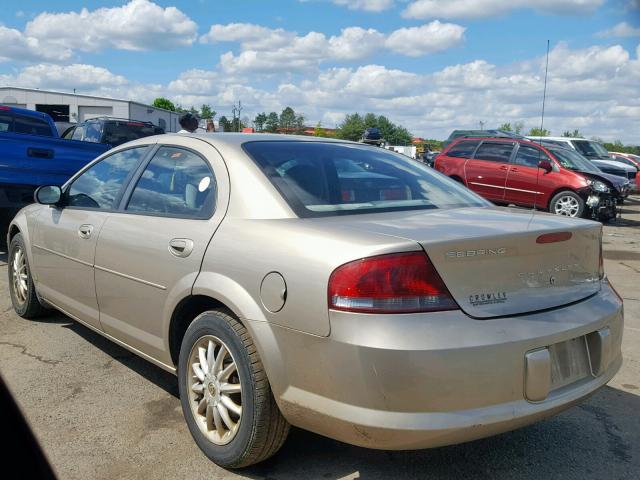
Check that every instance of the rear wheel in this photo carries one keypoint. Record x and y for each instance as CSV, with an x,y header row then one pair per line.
x,y
225,395
21,288
567,203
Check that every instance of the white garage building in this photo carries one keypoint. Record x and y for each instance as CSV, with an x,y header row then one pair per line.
x,y
73,107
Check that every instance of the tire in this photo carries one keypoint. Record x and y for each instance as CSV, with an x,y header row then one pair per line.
x,y
260,430
567,203
22,290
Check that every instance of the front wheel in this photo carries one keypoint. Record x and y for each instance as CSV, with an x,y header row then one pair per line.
x,y
567,203
21,287
225,395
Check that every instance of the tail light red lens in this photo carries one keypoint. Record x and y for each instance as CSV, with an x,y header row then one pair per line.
x,y
395,283
601,266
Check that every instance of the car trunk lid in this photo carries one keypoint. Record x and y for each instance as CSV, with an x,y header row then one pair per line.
x,y
498,262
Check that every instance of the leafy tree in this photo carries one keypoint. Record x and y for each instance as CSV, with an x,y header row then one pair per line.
x,y
351,128
370,120
518,127
537,132
207,112
165,103
272,123
259,121
576,133
225,124
505,127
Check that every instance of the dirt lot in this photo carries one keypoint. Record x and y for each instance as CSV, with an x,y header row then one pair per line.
x,y
102,413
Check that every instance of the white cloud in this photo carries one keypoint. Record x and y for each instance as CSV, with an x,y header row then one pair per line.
x,y
366,5
266,50
137,25
622,29
421,9
430,38
79,76
17,46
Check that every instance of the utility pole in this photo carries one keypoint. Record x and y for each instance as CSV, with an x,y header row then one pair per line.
x,y
237,110
482,124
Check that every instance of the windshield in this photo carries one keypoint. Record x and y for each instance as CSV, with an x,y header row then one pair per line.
x,y
573,161
321,179
590,149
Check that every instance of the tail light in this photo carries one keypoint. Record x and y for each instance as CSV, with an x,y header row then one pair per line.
x,y
395,283
601,260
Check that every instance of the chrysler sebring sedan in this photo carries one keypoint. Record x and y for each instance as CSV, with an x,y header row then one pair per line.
x,y
333,286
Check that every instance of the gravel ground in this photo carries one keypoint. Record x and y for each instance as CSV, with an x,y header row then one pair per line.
x,y
102,413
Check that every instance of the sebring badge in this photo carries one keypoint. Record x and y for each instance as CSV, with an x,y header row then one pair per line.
x,y
476,253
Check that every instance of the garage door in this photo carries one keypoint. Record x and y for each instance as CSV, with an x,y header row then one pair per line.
x,y
85,113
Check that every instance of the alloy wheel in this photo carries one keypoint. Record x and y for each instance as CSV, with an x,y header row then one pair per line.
x,y
567,206
19,276
215,392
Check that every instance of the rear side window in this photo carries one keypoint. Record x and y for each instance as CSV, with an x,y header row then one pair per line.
x,y
324,179
78,133
176,182
529,156
92,132
5,122
32,126
463,149
100,185
494,152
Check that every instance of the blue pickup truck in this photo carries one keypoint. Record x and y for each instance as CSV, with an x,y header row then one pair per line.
x,y
33,154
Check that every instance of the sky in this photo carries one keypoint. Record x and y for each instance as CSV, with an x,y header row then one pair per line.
x,y
430,65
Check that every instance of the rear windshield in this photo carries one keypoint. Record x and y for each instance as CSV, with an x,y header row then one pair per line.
x,y
323,179
117,133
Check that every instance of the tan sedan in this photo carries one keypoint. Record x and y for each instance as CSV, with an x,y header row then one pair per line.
x,y
329,285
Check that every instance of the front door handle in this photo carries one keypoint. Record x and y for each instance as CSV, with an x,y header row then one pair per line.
x,y
85,231
181,247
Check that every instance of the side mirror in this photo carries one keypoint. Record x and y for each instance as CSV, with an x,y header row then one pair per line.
x,y
48,195
545,165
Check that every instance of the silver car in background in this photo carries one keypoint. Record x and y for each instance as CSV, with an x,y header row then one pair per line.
x,y
333,286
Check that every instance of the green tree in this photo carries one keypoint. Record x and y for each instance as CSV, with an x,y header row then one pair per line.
x,y
370,120
165,103
272,123
288,119
537,132
576,133
518,127
260,121
225,124
207,112
505,127
351,128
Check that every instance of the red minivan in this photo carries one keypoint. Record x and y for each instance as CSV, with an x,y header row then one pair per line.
x,y
521,172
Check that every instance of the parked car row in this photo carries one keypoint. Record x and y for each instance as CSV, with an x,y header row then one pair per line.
x,y
545,175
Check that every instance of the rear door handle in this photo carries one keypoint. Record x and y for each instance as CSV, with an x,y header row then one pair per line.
x,y
40,152
85,231
181,247
513,169
504,167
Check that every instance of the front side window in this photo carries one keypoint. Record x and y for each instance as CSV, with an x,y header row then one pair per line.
x,y
494,152
78,133
463,149
324,179
529,156
176,182
100,185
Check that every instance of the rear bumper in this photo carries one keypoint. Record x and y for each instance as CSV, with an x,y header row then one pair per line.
x,y
419,381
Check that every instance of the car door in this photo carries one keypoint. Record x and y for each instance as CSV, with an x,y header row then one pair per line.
x,y
149,254
486,172
525,180
64,239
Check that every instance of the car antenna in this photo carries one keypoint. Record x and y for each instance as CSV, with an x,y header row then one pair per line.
x,y
544,98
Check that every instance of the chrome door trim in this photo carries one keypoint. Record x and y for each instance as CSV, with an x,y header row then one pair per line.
x,y
82,262
129,277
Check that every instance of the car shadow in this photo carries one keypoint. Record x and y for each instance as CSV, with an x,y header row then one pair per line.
x,y
597,439
165,380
